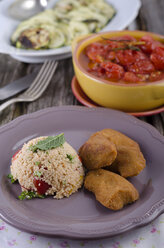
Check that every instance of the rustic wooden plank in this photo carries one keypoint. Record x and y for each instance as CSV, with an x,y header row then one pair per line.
x,y
10,69
161,126
58,92
151,16
151,19
158,122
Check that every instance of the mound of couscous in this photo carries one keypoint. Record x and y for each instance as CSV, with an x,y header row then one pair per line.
x,y
44,169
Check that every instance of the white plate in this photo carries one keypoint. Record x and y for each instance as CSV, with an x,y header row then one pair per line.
x,y
126,13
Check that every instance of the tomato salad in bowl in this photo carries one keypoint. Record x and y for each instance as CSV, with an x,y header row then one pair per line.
x,y
122,69
126,59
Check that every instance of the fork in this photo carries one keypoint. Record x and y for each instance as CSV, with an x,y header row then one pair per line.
x,y
37,87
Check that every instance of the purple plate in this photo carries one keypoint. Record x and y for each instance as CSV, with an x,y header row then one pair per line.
x,y
80,215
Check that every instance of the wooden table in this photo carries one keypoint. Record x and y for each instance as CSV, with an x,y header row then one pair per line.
x,y
59,91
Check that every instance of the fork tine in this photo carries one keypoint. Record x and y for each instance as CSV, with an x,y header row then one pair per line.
x,y
43,80
40,73
43,69
39,76
39,85
46,79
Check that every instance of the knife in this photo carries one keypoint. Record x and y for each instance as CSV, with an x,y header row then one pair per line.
x,y
16,86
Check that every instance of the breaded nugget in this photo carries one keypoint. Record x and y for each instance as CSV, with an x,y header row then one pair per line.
x,y
97,152
110,189
130,160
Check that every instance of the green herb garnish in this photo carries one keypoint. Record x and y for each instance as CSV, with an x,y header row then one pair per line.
x,y
37,163
134,48
11,178
103,38
128,44
70,157
128,47
131,42
29,195
38,173
49,143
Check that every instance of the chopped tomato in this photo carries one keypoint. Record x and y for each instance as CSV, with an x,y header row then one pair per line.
x,y
150,44
130,77
141,67
95,67
111,56
128,57
143,77
41,186
14,156
156,76
125,57
157,57
113,71
96,50
113,44
139,55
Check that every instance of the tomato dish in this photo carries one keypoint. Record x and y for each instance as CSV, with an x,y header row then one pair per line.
x,y
125,59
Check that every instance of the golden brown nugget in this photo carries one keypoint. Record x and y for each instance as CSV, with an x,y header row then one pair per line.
x,y
97,152
110,189
130,160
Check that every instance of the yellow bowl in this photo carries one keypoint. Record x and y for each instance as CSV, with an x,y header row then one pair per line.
x,y
126,97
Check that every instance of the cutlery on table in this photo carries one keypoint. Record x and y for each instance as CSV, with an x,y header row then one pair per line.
x,y
37,87
23,9
16,86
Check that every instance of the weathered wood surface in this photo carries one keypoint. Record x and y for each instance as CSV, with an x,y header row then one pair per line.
x,y
59,91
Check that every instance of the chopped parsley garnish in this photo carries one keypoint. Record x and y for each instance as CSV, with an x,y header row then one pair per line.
x,y
70,157
38,173
37,163
11,178
49,143
29,195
